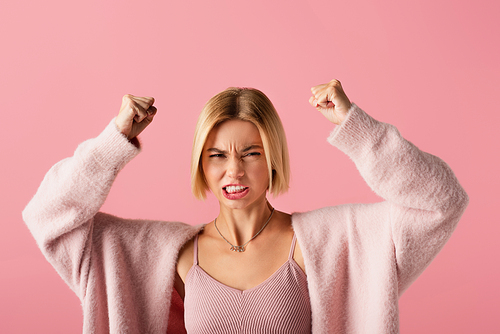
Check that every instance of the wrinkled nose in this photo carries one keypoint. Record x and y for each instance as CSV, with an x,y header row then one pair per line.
x,y
235,169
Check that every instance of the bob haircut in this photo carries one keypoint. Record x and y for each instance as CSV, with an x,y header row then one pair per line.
x,y
251,105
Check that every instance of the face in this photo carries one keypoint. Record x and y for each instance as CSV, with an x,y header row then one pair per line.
x,y
234,164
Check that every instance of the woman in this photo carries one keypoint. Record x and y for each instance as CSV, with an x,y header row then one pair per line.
x,y
252,269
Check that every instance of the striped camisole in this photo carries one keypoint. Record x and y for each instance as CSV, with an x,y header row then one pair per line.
x,y
280,304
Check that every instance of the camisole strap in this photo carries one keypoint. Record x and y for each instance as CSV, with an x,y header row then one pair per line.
x,y
195,250
292,247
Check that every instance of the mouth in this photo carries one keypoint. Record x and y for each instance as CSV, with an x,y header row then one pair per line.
x,y
234,189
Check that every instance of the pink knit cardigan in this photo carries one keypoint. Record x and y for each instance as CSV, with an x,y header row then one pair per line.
x,y
359,258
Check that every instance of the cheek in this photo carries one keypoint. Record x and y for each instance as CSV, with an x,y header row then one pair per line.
x,y
211,174
260,173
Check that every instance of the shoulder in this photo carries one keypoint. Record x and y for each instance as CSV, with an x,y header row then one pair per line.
x,y
336,221
142,230
343,211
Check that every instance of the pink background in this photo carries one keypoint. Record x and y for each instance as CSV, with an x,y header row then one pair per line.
x,y
430,67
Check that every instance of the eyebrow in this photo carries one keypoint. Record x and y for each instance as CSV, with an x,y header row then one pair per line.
x,y
246,149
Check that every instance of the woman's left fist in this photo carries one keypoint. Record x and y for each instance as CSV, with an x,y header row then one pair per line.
x,y
331,101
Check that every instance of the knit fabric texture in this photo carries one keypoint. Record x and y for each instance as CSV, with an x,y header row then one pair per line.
x,y
359,258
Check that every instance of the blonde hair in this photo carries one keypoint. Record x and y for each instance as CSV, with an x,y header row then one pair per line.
x,y
246,104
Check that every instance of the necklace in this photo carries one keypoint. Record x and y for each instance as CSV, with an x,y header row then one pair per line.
x,y
242,247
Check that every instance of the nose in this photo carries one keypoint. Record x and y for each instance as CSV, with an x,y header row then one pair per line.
x,y
235,168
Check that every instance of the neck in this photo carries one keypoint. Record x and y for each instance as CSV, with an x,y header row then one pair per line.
x,y
240,225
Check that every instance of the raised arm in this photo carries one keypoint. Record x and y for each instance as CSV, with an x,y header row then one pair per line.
x,y
424,200
60,216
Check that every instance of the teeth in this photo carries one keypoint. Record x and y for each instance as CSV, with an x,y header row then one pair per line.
x,y
234,189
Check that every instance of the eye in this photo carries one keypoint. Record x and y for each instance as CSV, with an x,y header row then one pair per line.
x,y
252,154
219,155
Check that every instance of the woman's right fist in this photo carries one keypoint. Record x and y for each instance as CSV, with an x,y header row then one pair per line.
x,y
135,114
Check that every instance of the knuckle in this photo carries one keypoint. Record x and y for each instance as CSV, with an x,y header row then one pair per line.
x,y
335,83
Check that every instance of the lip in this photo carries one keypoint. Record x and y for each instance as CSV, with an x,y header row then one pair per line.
x,y
235,196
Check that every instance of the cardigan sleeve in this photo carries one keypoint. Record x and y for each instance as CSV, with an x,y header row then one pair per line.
x,y
60,215
424,199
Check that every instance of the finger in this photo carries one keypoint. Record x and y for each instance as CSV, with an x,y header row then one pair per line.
x,y
142,125
144,101
143,105
127,102
147,99
315,103
136,103
127,97
151,111
335,83
316,90
140,113
322,99
326,105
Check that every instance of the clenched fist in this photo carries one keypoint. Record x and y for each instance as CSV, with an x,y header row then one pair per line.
x,y
136,113
331,101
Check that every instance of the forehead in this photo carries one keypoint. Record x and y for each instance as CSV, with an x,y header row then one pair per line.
x,y
234,132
